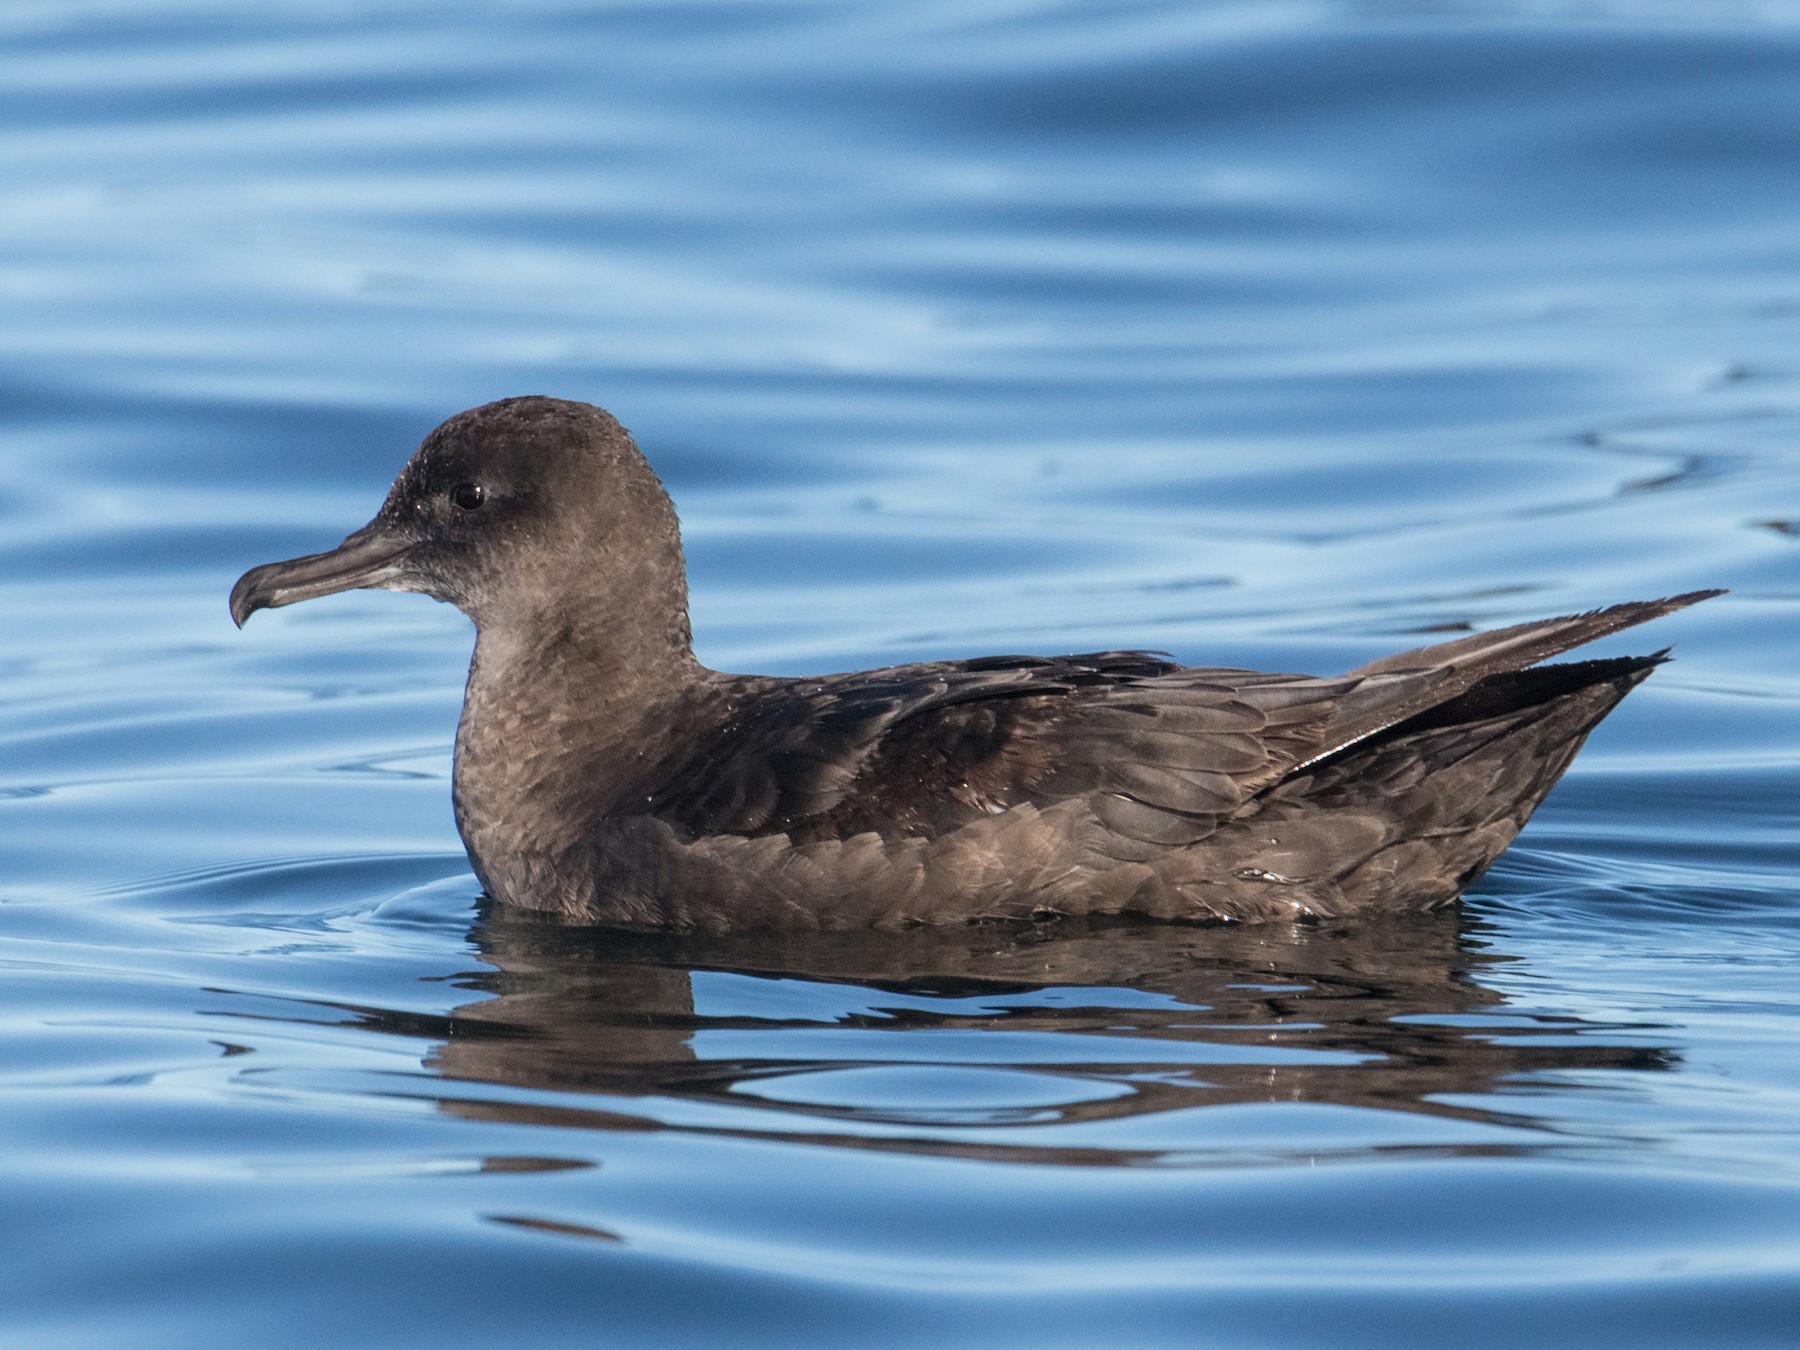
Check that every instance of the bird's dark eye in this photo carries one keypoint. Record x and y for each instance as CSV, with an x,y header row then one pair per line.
x,y
467,496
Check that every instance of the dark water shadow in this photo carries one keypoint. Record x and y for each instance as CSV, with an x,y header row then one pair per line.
x,y
918,1041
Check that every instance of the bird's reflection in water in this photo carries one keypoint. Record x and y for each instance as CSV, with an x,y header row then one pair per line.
x,y
925,1041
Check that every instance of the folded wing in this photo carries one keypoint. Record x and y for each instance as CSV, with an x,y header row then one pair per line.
x,y
1161,753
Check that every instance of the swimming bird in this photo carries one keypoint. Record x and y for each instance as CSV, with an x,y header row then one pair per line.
x,y
604,774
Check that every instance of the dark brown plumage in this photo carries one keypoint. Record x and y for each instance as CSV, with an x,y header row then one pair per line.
x,y
604,774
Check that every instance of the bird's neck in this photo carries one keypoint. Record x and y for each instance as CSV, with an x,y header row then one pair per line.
x,y
562,726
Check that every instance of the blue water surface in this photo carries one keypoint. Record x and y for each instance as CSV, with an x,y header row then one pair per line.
x,y
1267,332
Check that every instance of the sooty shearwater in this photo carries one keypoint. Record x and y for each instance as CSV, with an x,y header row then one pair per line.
x,y
604,774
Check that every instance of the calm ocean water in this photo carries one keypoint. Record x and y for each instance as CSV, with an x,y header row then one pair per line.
x,y
1270,332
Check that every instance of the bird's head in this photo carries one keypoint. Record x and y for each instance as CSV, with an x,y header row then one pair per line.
x,y
527,511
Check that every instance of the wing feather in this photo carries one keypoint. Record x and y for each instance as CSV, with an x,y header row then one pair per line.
x,y
1159,752
1164,751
